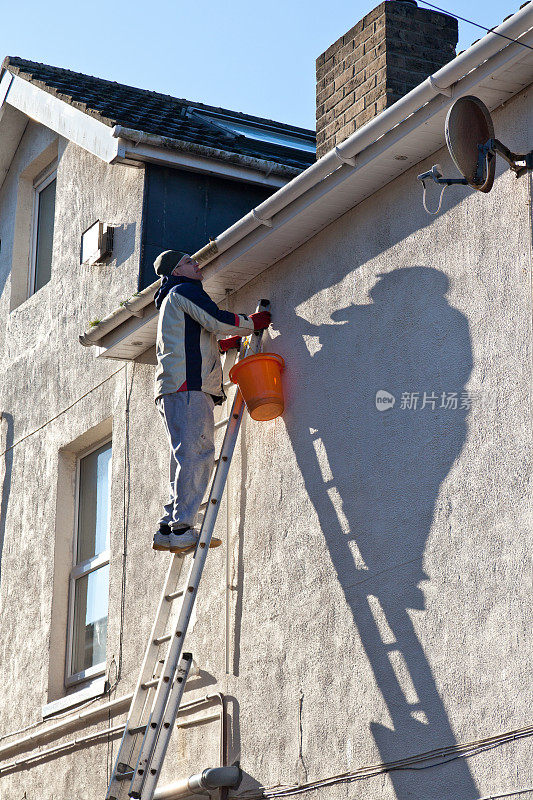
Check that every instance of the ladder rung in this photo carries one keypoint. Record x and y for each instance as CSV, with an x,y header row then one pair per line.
x,y
125,776
150,684
162,639
174,595
137,729
222,422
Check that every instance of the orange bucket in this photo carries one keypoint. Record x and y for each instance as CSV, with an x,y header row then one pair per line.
x,y
259,379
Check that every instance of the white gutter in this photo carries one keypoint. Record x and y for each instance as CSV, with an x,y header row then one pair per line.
x,y
141,146
440,83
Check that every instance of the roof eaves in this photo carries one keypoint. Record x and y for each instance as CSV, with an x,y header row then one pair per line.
x,y
322,177
137,137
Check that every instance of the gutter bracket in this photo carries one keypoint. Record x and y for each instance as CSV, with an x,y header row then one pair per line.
x,y
267,222
345,159
446,90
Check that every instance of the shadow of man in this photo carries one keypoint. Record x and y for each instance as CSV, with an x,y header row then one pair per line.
x,y
385,468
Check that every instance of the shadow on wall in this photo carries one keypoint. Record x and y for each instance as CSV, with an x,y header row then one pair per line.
x,y
384,468
6,421
124,242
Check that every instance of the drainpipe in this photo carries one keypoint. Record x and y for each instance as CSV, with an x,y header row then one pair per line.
x,y
201,784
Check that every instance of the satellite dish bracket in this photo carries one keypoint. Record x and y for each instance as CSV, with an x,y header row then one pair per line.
x,y
519,164
469,122
435,175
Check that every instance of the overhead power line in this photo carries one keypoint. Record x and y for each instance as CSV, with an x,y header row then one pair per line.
x,y
476,24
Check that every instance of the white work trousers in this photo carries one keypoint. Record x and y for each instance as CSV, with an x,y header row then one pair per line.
x,y
189,422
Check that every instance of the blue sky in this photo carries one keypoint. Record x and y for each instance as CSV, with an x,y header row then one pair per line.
x,y
247,56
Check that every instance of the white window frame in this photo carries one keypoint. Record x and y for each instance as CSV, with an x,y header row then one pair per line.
x,y
78,571
43,180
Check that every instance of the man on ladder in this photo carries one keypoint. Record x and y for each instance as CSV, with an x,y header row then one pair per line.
x,y
188,383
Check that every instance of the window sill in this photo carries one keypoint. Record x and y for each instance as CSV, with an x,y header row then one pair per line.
x,y
94,689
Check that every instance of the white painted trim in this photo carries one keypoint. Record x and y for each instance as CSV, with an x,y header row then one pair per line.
x,y
70,122
95,689
87,674
5,84
38,186
79,570
318,184
90,565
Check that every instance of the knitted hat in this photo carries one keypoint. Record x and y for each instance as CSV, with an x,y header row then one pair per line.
x,y
167,261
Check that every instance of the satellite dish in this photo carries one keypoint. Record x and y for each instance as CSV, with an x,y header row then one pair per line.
x,y
469,125
470,138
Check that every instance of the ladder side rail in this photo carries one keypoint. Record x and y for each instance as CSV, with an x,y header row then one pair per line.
x,y
193,579
126,753
160,749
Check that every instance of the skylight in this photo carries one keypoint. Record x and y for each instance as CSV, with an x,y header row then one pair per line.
x,y
262,135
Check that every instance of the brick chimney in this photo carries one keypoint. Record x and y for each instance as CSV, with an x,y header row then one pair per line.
x,y
389,52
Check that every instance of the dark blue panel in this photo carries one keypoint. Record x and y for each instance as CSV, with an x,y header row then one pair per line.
x,y
193,355
183,210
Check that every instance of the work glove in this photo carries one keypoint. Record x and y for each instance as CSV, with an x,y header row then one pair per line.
x,y
232,343
261,320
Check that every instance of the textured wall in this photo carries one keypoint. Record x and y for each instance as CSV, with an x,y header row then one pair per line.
x,y
45,372
379,589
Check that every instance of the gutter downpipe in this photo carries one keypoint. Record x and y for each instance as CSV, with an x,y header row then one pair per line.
x,y
341,155
201,784
57,730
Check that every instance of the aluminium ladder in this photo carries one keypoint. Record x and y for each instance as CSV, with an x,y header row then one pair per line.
x,y
152,713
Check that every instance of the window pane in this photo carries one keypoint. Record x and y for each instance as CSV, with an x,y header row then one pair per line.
x,y
90,620
93,516
45,233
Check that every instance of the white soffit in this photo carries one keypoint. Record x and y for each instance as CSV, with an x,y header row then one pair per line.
x,y
132,338
416,138
63,118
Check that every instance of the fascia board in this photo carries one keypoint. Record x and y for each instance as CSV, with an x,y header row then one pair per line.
x,y
82,129
12,125
5,83
190,161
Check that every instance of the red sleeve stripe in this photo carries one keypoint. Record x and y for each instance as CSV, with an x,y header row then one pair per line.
x,y
237,321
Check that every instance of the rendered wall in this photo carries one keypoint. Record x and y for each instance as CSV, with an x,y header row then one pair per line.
x,y
50,393
378,560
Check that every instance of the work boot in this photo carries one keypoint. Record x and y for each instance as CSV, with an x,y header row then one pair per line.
x,y
162,538
183,540
187,539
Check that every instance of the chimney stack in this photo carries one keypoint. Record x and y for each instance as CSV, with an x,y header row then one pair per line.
x,y
389,52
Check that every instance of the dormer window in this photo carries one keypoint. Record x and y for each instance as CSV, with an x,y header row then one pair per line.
x,y
43,228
